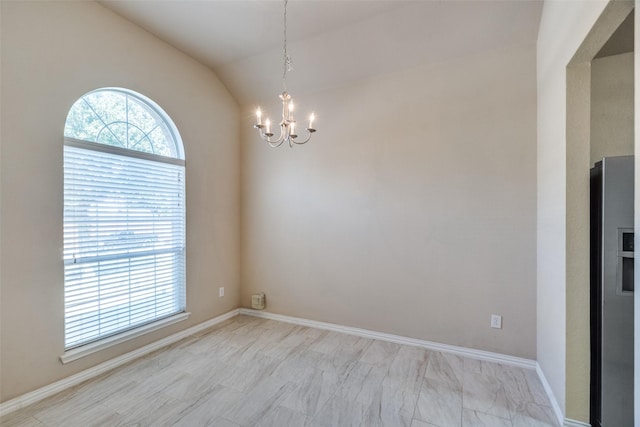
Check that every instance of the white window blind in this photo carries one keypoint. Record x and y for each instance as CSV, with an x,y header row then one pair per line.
x,y
124,240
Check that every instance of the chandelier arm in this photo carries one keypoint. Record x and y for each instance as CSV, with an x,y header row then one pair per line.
x,y
303,142
273,142
269,140
282,135
276,143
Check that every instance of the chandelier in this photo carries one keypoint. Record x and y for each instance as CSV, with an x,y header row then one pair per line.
x,y
288,131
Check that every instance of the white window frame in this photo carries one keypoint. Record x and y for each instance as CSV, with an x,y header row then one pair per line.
x,y
84,348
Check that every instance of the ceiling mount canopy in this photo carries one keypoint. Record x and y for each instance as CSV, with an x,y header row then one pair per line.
x,y
288,123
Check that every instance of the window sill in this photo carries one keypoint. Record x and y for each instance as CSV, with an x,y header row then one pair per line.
x,y
85,350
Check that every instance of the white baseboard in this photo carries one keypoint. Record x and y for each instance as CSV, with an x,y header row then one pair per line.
x,y
565,422
398,339
573,423
58,386
552,398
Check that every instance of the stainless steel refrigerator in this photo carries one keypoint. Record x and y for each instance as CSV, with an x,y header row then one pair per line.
x,y
612,290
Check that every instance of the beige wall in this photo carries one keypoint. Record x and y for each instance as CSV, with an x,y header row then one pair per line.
x,y
411,211
52,53
577,240
611,106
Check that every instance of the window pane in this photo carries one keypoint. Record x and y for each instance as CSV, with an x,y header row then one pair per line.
x,y
124,218
121,119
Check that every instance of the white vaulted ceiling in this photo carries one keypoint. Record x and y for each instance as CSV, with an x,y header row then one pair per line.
x,y
332,42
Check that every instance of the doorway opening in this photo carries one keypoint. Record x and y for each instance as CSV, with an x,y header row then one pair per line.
x,y
600,124
611,229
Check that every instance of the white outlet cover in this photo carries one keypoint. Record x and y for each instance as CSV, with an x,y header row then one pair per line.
x,y
221,292
496,321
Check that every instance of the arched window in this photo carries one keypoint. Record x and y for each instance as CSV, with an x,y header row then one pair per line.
x,y
124,216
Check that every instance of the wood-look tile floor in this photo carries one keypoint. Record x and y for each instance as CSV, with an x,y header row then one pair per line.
x,y
254,372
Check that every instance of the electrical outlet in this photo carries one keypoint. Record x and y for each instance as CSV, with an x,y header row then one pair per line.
x,y
496,321
221,292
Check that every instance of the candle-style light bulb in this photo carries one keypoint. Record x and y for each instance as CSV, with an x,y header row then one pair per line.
x,y
291,110
268,126
258,116
293,129
312,117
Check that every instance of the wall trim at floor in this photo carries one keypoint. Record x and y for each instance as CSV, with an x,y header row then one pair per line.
x,y
398,339
58,386
552,398
573,423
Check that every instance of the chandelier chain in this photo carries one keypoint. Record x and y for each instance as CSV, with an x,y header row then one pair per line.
x,y
286,58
